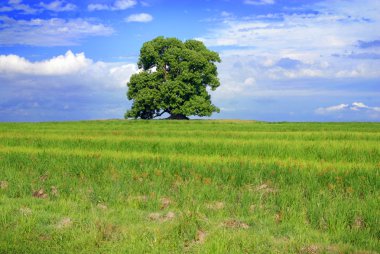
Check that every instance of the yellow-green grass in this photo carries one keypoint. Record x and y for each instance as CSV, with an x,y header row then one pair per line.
x,y
189,186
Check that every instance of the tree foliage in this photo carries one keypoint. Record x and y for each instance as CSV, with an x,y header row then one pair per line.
x,y
173,79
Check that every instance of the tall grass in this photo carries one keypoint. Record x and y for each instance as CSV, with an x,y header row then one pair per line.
x,y
189,186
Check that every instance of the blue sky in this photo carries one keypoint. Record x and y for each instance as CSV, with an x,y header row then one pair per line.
x,y
281,60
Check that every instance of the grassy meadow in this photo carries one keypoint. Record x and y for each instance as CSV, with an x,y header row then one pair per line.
x,y
196,186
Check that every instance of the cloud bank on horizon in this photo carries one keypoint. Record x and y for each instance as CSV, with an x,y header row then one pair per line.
x,y
281,60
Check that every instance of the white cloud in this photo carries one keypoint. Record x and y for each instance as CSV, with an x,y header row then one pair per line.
x,y
68,66
116,6
306,79
98,7
122,73
17,5
321,43
60,65
310,36
65,87
326,32
259,2
249,81
355,106
141,17
124,4
58,6
48,32
358,105
280,73
330,109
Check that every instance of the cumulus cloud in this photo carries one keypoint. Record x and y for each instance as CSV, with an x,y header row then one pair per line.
x,y
326,31
355,106
49,32
294,52
122,73
60,65
58,6
69,64
69,86
117,5
140,17
308,38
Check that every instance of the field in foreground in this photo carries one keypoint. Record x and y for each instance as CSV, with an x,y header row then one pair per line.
x,y
189,186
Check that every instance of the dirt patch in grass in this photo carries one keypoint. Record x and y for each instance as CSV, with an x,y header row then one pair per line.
x,y
278,217
217,205
64,223
101,206
44,237
200,237
40,194
4,185
254,207
331,249
44,177
169,216
233,223
265,188
358,223
107,232
165,202
54,191
310,249
25,211
154,216
162,217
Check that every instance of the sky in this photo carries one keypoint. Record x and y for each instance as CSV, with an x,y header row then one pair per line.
x,y
282,60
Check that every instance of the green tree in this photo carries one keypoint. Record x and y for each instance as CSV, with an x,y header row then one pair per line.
x,y
173,79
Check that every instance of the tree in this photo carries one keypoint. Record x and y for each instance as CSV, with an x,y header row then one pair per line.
x,y
173,79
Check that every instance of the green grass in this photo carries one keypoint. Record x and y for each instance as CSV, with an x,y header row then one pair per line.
x,y
189,186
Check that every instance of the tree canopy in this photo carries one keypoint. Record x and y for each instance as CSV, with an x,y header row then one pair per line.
x,y
173,79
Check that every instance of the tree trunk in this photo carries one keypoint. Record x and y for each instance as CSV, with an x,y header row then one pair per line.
x,y
177,117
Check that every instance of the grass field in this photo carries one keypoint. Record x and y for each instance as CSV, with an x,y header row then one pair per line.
x,y
189,186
